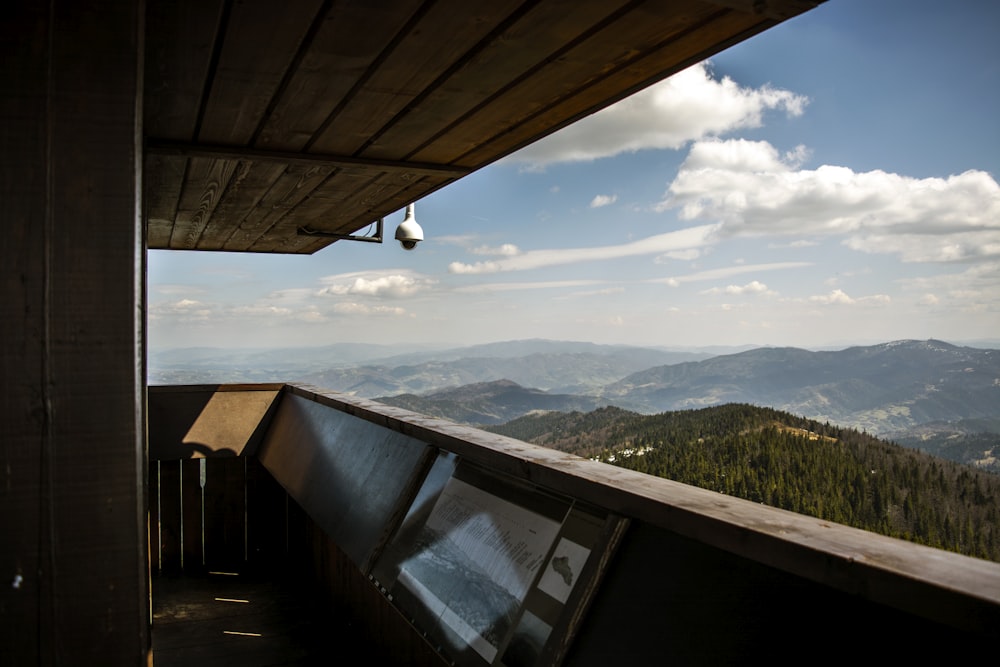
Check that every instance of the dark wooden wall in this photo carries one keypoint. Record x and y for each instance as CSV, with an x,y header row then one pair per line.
x,y
350,596
672,600
73,583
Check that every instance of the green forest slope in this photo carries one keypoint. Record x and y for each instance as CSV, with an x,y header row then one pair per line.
x,y
775,458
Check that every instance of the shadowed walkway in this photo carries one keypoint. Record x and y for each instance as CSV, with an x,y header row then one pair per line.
x,y
244,620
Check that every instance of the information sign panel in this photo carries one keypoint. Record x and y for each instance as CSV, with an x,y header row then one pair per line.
x,y
484,565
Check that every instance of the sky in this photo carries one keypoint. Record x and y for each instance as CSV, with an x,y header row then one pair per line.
x,y
832,181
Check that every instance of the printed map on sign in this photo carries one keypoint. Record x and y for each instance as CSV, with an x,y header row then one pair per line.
x,y
477,556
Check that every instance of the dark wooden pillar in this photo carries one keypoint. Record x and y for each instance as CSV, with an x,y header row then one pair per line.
x,y
73,570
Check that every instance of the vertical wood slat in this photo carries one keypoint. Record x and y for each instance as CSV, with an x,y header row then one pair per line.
x,y
153,515
225,490
23,69
215,497
170,516
235,509
191,515
266,516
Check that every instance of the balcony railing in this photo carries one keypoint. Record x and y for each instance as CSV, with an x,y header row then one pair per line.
x,y
443,543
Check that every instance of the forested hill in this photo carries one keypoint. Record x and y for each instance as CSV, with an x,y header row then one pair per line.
x,y
775,458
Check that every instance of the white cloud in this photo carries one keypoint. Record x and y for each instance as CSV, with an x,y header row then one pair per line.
x,y
692,237
686,255
478,267
974,289
752,191
728,272
690,105
311,315
753,287
292,295
603,200
979,277
375,284
608,291
931,247
504,250
801,243
259,310
840,298
184,310
177,289
517,287
354,308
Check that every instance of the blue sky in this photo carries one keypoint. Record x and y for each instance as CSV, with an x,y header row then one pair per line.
x,y
829,182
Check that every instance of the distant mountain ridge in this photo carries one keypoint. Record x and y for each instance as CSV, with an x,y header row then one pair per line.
x,y
887,388
494,402
929,395
578,368
372,370
880,388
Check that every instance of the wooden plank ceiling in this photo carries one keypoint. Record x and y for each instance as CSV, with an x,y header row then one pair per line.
x,y
263,117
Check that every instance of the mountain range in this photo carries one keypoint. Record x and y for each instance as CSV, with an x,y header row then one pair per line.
x,y
883,388
917,391
880,388
368,371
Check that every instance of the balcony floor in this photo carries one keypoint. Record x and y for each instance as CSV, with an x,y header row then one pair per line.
x,y
244,620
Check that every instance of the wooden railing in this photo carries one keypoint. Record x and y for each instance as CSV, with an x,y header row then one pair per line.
x,y
595,564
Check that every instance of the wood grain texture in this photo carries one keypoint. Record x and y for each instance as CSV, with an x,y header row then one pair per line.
x,y
205,185
524,49
258,47
72,337
433,45
618,56
25,600
180,41
292,186
164,182
346,44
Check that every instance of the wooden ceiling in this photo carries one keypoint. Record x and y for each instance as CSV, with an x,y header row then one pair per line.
x,y
262,117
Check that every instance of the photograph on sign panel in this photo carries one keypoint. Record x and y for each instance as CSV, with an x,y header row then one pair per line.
x,y
473,563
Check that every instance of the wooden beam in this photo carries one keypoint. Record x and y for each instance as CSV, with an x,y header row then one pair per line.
x,y
223,152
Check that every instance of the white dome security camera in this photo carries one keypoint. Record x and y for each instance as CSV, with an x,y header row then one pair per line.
x,y
409,233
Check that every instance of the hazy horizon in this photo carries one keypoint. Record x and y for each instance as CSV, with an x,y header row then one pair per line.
x,y
988,344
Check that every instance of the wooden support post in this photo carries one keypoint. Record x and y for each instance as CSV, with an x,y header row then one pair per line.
x,y
73,559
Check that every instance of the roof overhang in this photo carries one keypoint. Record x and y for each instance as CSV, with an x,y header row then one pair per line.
x,y
262,118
